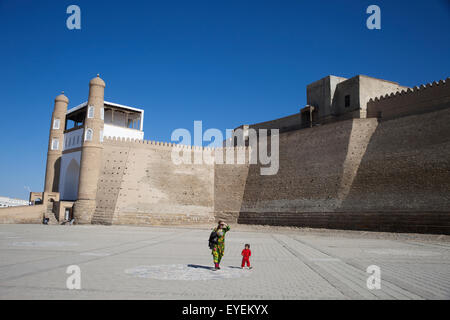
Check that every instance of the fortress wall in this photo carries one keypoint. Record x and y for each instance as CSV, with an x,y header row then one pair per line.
x,y
291,122
406,166
140,184
229,186
426,98
310,170
358,174
23,214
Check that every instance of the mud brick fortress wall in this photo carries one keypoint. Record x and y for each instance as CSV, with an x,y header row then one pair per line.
x,y
387,172
390,173
384,169
140,184
229,185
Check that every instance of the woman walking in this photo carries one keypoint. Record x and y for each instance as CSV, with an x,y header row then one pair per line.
x,y
218,247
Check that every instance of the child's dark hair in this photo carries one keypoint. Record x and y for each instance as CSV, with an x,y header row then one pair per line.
x,y
247,245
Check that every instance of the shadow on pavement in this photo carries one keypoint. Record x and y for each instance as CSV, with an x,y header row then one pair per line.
x,y
197,266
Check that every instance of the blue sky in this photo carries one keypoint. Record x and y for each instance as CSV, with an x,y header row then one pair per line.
x,y
223,62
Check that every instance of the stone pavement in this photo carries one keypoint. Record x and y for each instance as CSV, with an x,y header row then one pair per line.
x,y
121,262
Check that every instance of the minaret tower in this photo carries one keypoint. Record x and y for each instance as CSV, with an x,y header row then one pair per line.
x,y
55,143
91,153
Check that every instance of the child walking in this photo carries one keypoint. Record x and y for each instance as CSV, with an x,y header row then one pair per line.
x,y
246,253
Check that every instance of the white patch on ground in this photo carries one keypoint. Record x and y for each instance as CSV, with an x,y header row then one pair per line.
x,y
400,252
324,259
96,254
8,235
187,272
44,244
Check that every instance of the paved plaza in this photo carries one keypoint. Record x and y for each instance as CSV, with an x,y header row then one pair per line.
x,y
121,262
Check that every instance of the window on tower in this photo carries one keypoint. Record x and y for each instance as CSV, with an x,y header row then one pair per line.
x,y
90,111
347,101
55,144
56,124
89,134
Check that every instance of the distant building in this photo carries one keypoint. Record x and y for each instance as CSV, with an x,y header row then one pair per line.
x,y
335,98
12,202
332,99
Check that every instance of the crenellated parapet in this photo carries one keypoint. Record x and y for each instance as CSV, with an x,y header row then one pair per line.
x,y
129,142
179,153
411,90
419,99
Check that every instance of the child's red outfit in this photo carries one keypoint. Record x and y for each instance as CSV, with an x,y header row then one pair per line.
x,y
246,253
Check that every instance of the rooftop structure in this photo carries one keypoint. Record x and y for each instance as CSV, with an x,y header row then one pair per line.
x,y
120,121
333,99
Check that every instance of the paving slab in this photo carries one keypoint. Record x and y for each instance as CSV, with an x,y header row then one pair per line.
x,y
127,262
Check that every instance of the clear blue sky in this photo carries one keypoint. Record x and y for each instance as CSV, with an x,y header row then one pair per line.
x,y
222,62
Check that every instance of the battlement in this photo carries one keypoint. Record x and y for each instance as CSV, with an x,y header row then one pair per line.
x,y
419,99
410,90
120,141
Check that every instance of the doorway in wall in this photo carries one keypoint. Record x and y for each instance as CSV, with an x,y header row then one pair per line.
x,y
71,181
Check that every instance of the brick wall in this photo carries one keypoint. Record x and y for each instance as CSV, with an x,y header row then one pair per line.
x,y
406,166
23,214
358,174
388,173
426,98
229,186
310,171
139,184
